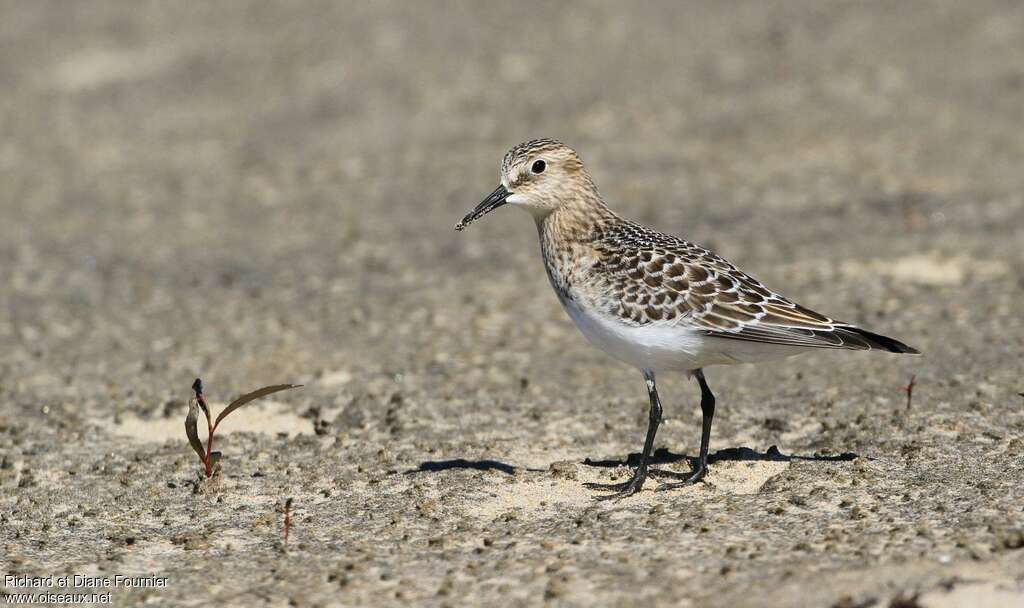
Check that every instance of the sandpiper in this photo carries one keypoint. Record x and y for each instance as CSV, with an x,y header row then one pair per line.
x,y
650,299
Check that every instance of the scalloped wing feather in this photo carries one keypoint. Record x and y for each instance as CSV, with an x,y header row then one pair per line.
x,y
644,277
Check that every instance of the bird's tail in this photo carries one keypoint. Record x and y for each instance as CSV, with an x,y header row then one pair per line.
x,y
863,338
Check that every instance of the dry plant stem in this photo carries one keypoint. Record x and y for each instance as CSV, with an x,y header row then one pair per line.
x,y
287,519
909,389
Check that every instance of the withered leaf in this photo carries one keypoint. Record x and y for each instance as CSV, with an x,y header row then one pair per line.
x,y
205,408
191,431
256,394
197,387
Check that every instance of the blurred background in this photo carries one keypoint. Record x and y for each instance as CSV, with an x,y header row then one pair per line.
x,y
261,185
265,192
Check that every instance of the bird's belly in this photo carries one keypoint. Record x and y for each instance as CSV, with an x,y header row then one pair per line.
x,y
653,346
665,346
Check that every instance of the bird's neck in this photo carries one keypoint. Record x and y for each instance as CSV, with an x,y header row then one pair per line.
x,y
566,237
574,220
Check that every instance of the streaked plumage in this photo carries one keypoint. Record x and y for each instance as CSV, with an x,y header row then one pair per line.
x,y
650,299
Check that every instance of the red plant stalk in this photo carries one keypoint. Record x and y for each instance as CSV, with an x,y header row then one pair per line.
x,y
209,436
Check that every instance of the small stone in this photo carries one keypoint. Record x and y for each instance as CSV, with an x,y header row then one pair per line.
x,y
565,469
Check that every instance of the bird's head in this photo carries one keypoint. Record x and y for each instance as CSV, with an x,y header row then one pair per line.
x,y
540,176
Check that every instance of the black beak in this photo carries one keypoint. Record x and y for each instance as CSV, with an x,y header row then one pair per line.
x,y
493,201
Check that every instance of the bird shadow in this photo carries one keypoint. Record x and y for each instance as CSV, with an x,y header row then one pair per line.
x,y
433,466
660,456
772,454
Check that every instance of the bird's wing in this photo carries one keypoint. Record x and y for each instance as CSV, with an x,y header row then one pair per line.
x,y
650,277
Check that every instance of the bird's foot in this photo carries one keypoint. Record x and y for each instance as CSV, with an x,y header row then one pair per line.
x,y
694,477
621,490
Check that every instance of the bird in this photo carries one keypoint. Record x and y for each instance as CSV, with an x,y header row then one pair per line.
x,y
653,300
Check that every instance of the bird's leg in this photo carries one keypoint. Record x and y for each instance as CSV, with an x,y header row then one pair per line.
x,y
707,408
634,483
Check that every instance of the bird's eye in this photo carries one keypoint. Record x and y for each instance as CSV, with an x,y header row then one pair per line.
x,y
539,166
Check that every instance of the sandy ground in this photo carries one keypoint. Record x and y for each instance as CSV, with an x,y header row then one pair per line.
x,y
258,194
